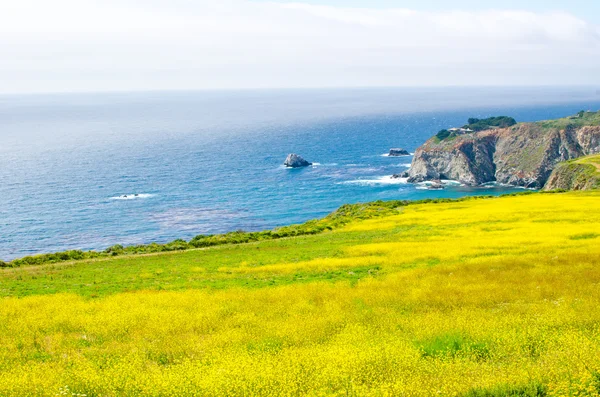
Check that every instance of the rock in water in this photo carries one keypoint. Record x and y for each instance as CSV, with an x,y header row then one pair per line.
x,y
295,161
436,185
401,175
398,152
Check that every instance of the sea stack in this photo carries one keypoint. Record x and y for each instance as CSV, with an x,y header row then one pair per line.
x,y
295,161
397,152
404,174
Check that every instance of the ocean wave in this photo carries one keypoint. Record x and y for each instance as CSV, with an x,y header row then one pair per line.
x,y
200,220
493,185
451,182
444,182
133,196
384,180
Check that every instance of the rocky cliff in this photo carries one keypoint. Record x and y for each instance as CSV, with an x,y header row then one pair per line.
x,y
580,174
522,155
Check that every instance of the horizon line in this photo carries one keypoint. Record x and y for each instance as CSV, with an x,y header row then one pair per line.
x,y
592,87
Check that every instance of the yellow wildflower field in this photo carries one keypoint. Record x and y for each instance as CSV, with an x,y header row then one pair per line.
x,y
484,297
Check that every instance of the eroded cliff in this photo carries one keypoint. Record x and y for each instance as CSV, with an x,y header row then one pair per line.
x,y
521,155
579,174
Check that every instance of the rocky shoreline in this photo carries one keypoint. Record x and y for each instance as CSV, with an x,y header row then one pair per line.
x,y
522,155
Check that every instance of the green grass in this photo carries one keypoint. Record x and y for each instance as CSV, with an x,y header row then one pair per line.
x,y
202,268
453,345
478,297
197,268
579,174
344,215
209,268
579,120
590,160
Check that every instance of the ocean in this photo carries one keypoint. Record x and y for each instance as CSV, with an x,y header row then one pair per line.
x,y
211,162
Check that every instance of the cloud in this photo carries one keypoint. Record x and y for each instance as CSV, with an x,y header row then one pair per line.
x,y
68,45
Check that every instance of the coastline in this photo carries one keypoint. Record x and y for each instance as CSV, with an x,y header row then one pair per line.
x,y
339,218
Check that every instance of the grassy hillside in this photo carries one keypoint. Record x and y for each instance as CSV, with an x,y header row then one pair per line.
x,y
583,118
482,297
579,174
345,214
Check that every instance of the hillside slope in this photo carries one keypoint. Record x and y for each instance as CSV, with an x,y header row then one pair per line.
x,y
481,297
580,174
521,155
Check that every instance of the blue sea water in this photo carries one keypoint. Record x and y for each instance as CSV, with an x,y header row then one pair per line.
x,y
211,162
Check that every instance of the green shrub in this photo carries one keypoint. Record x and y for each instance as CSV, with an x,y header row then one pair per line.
x,y
452,345
443,134
177,245
485,124
114,250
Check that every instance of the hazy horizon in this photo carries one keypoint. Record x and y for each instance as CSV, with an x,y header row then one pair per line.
x,y
159,45
211,162
590,89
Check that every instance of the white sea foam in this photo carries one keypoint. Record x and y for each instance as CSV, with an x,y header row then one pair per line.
x,y
492,185
313,165
488,185
132,196
388,155
384,180
451,182
426,185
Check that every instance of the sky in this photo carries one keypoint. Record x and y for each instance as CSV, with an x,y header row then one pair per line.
x,y
131,45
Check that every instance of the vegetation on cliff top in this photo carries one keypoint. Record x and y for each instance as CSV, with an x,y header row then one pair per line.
x,y
489,123
579,174
581,119
489,297
524,155
476,125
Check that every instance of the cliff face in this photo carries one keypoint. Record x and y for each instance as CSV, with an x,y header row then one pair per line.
x,y
580,174
522,155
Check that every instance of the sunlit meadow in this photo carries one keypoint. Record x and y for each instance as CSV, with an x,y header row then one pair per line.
x,y
483,297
